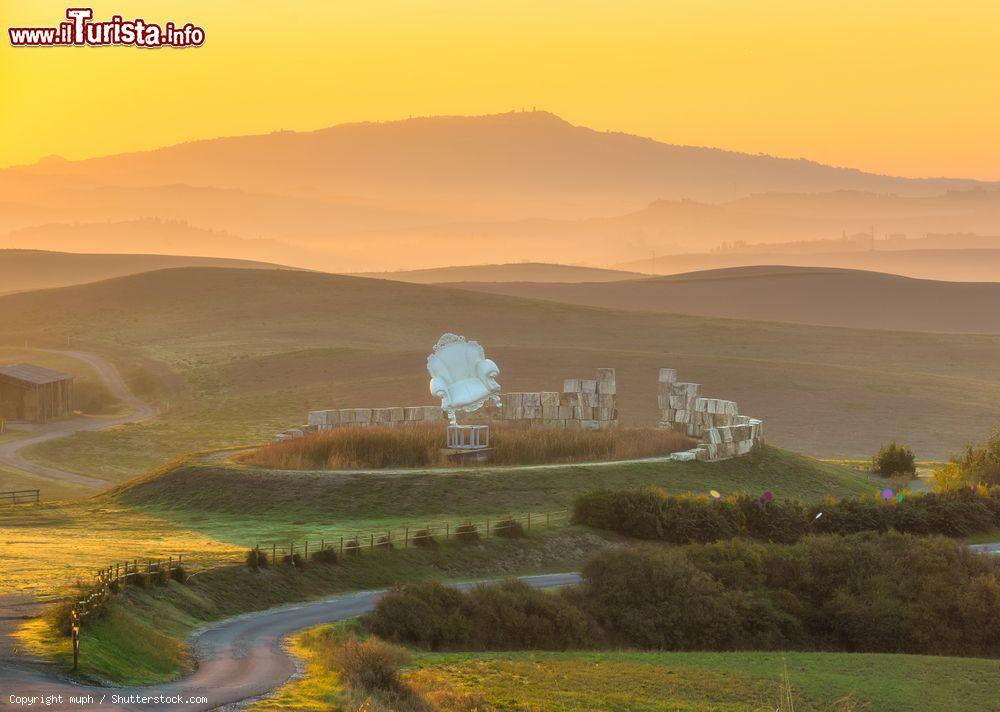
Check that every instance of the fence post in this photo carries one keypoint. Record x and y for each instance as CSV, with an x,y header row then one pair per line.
x,y
406,538
529,521
487,527
447,529
372,535
341,546
74,619
274,554
306,555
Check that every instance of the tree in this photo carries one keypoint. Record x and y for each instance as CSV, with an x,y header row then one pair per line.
x,y
893,460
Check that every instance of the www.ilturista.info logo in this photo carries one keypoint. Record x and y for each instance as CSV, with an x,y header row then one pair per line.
x,y
82,31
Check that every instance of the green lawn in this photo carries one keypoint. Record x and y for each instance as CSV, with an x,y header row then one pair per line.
x,y
716,681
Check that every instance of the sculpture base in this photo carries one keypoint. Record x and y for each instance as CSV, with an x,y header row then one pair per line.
x,y
467,457
468,437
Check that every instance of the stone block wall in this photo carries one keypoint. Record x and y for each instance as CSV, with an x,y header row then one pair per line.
x,y
582,405
723,432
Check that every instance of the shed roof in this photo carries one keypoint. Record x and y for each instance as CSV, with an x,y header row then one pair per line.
x,y
30,373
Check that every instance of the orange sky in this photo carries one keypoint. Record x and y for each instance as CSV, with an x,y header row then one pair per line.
x,y
897,87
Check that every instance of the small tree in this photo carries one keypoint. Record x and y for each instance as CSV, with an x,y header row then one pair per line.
x,y
893,460
981,464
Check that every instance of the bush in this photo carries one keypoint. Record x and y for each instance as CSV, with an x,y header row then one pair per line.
x,y
424,538
324,556
295,560
506,616
860,593
894,460
467,533
509,529
981,464
179,574
384,542
371,665
257,559
141,580
160,576
650,513
352,547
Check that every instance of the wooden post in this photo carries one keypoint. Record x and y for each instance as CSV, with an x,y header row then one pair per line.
x,y
546,520
341,546
487,527
274,554
372,535
447,529
529,521
306,555
74,621
406,538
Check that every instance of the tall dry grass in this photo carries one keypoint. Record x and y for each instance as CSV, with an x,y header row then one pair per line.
x,y
421,446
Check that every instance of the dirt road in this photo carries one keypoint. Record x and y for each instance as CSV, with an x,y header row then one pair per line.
x,y
11,457
239,659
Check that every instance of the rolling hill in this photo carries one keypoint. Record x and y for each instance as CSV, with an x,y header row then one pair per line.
x,y
25,270
512,272
428,191
830,297
259,348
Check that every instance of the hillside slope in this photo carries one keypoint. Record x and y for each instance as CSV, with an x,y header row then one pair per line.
x,y
511,272
830,297
261,347
25,270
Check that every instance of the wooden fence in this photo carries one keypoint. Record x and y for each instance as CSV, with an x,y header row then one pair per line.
x,y
353,542
21,497
144,572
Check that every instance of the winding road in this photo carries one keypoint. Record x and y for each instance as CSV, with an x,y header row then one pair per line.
x,y
11,458
239,659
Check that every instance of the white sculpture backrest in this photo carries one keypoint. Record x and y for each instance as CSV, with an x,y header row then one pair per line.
x,y
461,376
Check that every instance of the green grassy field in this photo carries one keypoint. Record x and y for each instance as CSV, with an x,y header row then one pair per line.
x,y
648,681
244,354
231,502
141,638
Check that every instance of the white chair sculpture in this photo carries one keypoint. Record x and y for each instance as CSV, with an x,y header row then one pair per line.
x,y
461,376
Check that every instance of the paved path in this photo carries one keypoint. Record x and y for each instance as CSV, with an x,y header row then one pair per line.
x,y
239,659
993,548
11,458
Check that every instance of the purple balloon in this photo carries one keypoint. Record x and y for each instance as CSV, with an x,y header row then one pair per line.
x,y
887,493
768,496
760,505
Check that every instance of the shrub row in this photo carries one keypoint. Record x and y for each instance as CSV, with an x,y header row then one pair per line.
x,y
651,513
860,593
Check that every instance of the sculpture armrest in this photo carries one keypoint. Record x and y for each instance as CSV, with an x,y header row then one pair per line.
x,y
439,389
487,370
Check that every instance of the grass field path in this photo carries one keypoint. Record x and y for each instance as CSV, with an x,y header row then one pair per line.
x,y
11,457
239,658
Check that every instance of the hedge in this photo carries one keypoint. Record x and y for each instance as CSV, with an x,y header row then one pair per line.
x,y
651,513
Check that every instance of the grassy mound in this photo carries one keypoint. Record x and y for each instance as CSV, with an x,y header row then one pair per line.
x,y
421,446
200,489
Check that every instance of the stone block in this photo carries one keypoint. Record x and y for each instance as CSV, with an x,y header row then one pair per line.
x,y
590,425
572,385
565,412
362,415
397,414
549,399
606,383
533,400
588,386
668,375
606,400
550,412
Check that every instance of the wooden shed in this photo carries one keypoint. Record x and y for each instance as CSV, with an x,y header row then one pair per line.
x,y
34,394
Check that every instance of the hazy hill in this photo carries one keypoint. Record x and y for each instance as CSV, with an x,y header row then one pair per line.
x,y
157,237
514,164
964,265
831,297
22,270
517,186
262,347
512,272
